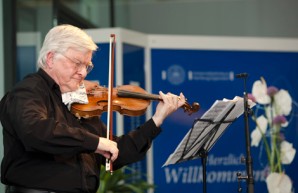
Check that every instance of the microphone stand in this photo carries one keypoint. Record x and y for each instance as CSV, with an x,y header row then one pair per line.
x,y
248,160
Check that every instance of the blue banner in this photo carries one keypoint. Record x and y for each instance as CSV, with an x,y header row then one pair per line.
x,y
205,76
134,74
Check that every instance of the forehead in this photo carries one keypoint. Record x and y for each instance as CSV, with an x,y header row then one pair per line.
x,y
83,54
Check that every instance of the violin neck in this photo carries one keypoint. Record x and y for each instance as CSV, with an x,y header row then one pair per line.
x,y
137,95
131,94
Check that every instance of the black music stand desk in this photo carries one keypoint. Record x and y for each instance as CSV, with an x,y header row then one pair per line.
x,y
206,131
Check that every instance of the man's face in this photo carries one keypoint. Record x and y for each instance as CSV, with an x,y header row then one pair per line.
x,y
70,69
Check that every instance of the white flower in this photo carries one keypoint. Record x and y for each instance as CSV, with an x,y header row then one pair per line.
x,y
259,91
261,127
287,152
278,183
283,102
275,104
285,124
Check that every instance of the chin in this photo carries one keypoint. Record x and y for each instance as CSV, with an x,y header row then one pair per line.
x,y
76,87
72,88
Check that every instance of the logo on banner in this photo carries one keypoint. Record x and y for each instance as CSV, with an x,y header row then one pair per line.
x,y
175,74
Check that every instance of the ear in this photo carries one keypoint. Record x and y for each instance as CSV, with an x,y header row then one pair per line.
x,y
50,59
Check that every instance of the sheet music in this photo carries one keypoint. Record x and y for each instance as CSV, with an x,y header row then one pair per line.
x,y
196,137
237,111
221,111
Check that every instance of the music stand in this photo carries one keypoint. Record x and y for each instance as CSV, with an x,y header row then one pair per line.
x,y
205,132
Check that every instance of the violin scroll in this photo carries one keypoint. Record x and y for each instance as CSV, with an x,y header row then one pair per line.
x,y
190,109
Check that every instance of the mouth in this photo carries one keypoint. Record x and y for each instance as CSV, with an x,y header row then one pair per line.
x,y
78,80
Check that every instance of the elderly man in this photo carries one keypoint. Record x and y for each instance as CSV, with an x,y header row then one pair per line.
x,y
46,148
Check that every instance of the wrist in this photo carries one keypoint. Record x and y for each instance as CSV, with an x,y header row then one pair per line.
x,y
157,121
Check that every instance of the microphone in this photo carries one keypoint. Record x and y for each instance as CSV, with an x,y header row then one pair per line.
x,y
242,75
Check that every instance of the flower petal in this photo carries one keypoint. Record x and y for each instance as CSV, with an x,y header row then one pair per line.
x,y
262,123
278,183
287,152
272,90
283,102
285,124
260,129
256,137
259,91
279,119
251,97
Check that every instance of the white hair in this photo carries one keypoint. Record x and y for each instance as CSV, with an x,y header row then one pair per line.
x,y
61,38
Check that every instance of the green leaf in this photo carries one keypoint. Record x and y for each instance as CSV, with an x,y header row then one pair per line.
x,y
124,180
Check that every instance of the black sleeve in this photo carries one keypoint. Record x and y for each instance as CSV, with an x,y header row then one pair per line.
x,y
28,116
134,145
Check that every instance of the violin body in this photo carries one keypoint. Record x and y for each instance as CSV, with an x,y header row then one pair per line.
x,y
98,102
127,100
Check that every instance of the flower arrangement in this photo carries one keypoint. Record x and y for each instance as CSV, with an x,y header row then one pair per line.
x,y
276,105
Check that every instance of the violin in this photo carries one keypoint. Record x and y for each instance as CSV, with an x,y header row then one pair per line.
x,y
128,100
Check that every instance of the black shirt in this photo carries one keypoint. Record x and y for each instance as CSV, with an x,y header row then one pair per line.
x,y
47,147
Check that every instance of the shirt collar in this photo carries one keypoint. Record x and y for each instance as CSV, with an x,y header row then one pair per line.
x,y
50,81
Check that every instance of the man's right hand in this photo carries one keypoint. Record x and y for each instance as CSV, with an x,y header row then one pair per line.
x,y
107,148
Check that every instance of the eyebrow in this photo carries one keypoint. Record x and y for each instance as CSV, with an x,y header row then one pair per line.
x,y
80,62
76,60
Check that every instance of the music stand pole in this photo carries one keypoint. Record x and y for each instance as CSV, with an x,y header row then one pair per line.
x,y
248,160
203,154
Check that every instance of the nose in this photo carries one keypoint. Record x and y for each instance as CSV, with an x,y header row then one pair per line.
x,y
82,70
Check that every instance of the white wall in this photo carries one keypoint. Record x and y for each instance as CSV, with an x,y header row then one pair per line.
x,y
258,18
261,18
